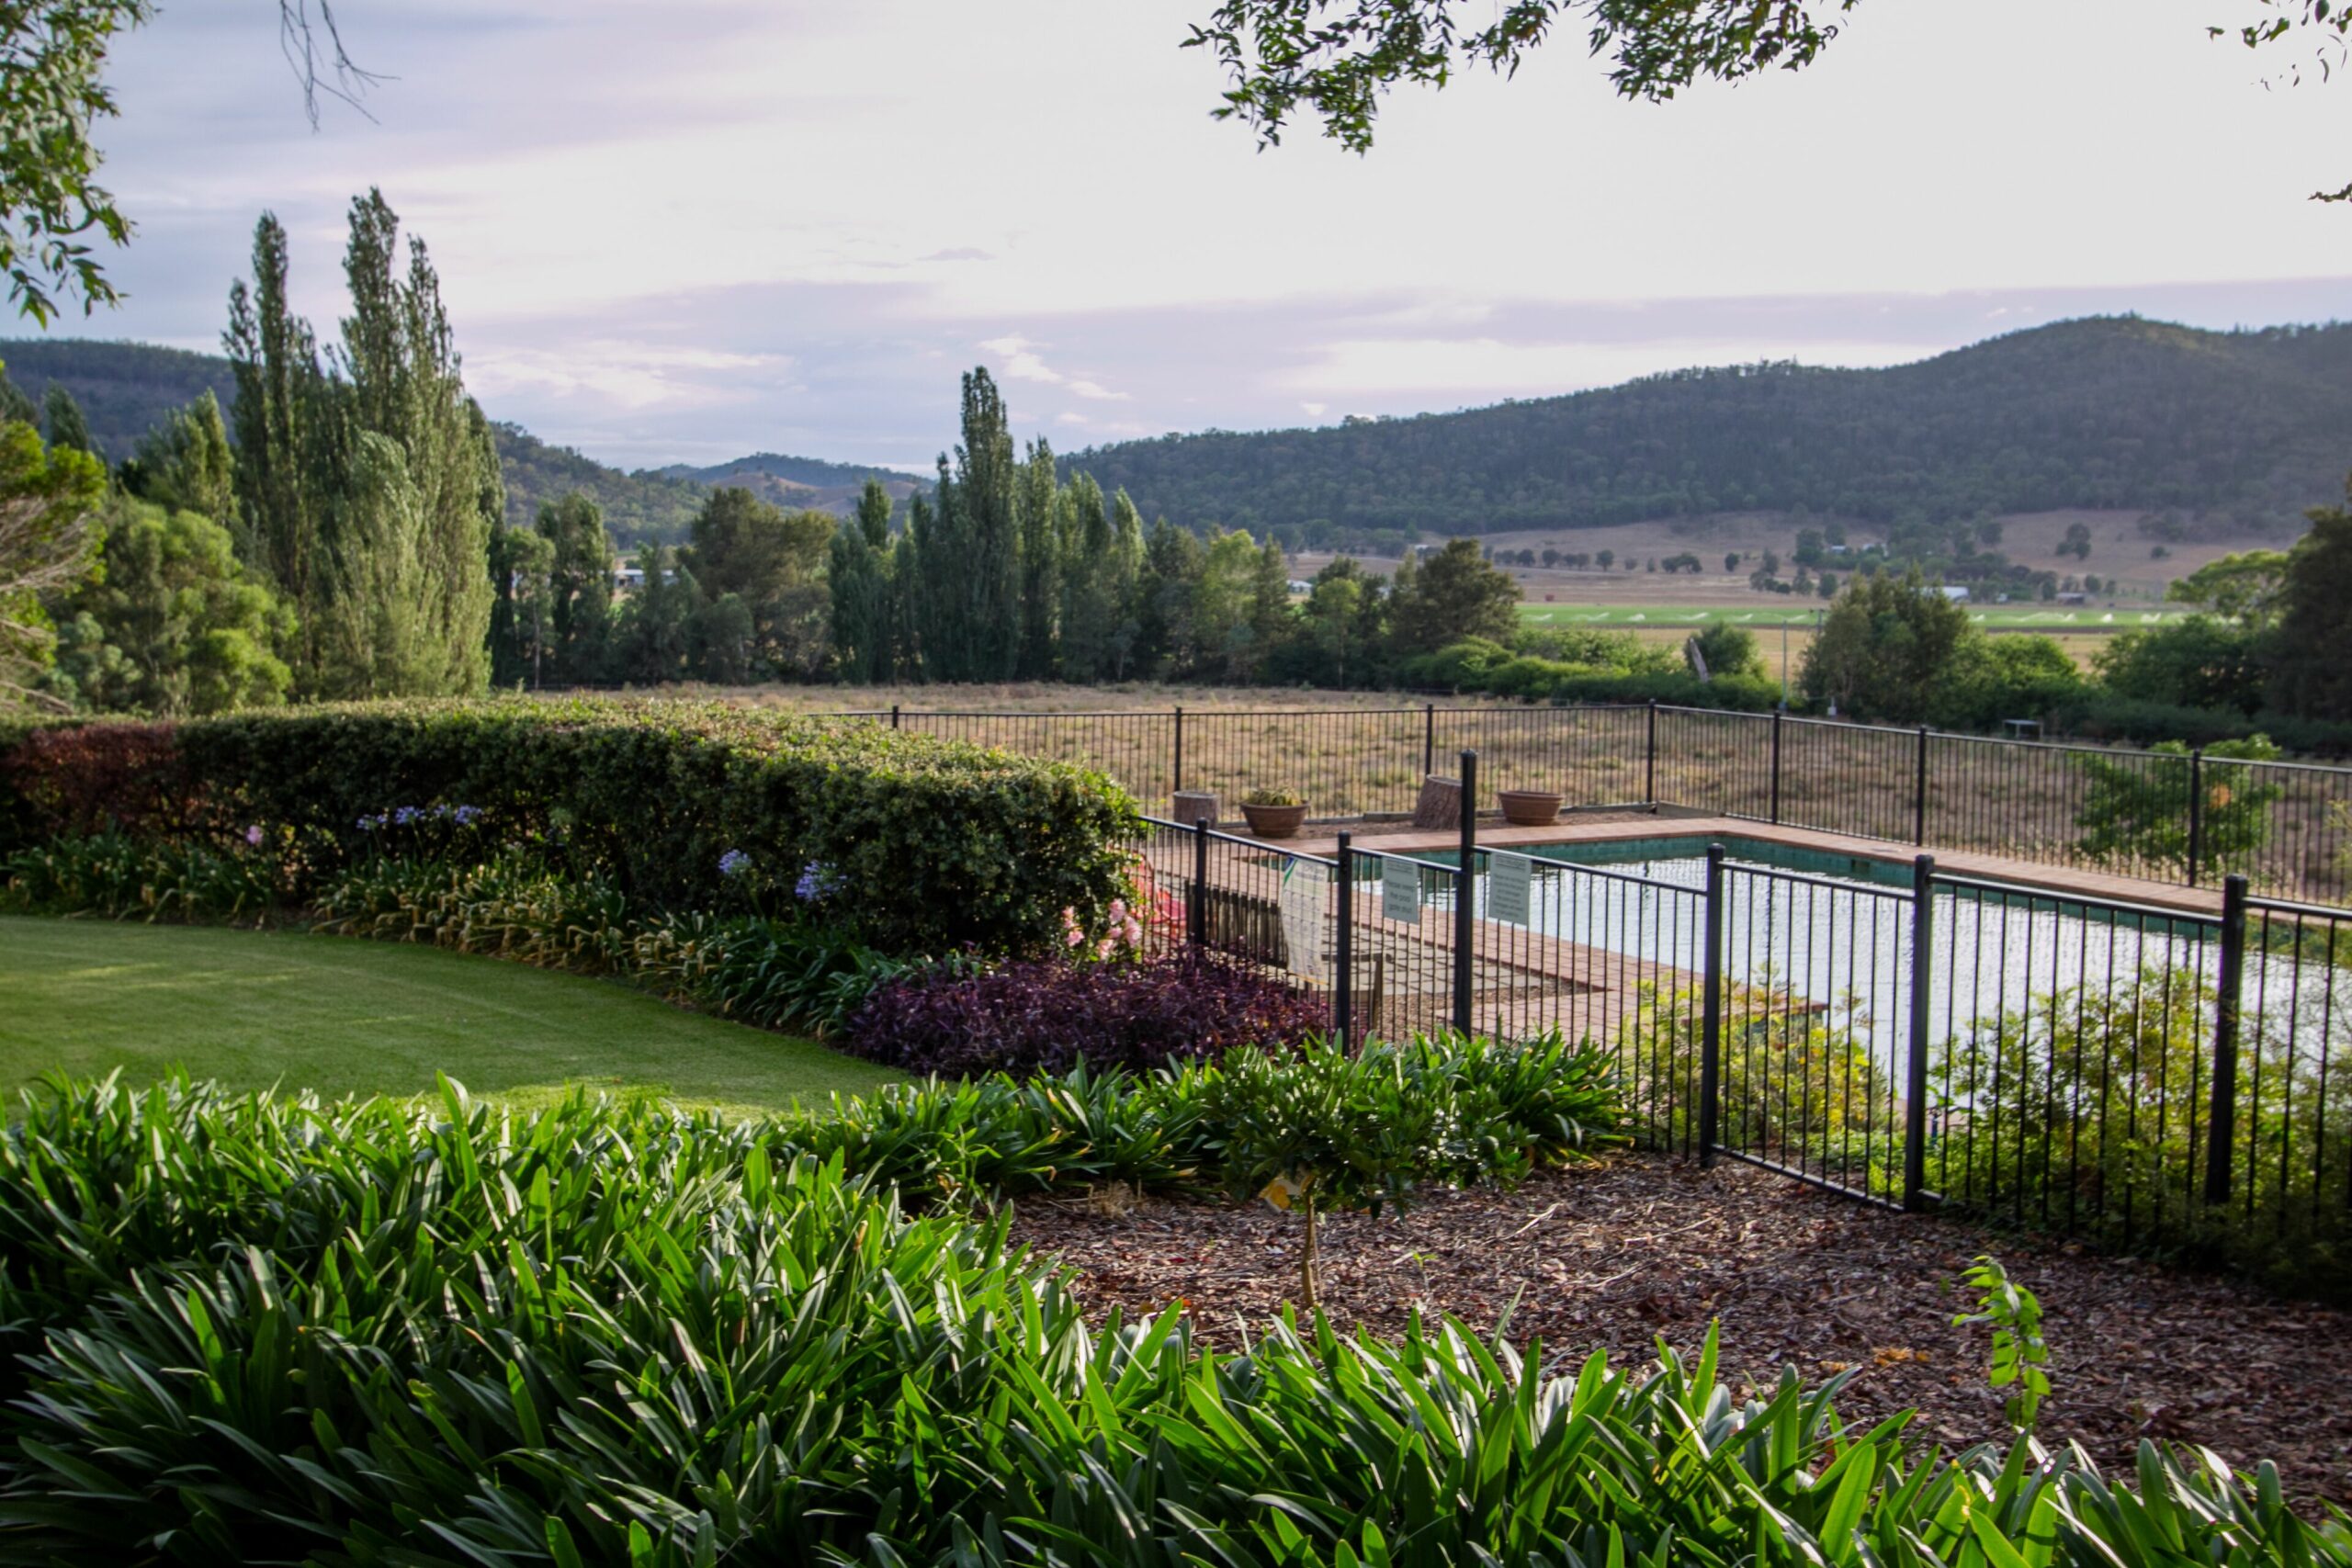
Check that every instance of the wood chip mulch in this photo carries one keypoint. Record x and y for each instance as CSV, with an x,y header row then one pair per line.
x,y
1613,1255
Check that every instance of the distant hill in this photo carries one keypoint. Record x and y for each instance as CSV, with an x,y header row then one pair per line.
x,y
125,388
2241,430
800,483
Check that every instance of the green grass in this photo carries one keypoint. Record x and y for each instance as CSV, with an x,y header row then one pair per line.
x,y
344,1016
1776,611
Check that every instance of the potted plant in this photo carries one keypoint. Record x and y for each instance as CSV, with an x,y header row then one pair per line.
x,y
1275,813
1529,807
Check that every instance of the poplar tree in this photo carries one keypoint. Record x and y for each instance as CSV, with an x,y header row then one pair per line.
x,y
320,498
185,465
1041,503
857,573
971,612
68,428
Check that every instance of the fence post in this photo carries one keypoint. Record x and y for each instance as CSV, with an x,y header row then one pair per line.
x,y
2222,1126
1465,928
1914,1070
1177,785
1777,714
1649,765
2196,810
1344,979
1711,1027
1196,907
894,716
1919,793
1429,739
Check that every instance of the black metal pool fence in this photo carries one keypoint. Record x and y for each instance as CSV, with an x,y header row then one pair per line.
x,y
2189,819
2132,1075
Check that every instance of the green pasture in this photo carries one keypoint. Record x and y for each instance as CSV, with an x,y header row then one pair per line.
x,y
1993,617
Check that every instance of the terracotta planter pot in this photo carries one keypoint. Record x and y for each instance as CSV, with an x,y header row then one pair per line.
x,y
1529,807
1274,821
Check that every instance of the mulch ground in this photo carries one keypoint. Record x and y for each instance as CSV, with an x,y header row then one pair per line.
x,y
1614,1255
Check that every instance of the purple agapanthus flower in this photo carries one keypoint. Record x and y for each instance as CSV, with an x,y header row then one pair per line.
x,y
405,815
816,880
466,815
734,863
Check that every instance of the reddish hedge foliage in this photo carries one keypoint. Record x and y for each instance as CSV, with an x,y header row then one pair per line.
x,y
1047,1015
86,778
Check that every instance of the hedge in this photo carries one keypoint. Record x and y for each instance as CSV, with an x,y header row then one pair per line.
x,y
928,845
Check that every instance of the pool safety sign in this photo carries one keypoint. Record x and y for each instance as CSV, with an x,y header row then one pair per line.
x,y
1400,889
1509,879
1301,908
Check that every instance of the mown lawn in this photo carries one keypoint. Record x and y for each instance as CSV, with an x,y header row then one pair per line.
x,y
349,1017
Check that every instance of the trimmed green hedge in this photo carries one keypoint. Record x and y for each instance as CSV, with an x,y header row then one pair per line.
x,y
928,845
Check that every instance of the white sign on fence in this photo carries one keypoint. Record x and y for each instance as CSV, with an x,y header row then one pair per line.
x,y
1302,904
1401,890
1509,879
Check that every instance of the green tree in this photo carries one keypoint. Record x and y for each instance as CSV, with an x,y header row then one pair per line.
x,y
2312,667
520,629
1453,595
2135,814
2244,587
653,634
68,428
1166,588
318,494
2199,662
184,629
579,586
1096,580
1339,622
51,56
1334,59
1884,648
774,562
1726,650
971,597
47,501
2016,676
858,575
185,465
1042,507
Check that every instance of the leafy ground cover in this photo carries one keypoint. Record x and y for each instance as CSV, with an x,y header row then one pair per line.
x,y
255,1008
1611,1257
265,1331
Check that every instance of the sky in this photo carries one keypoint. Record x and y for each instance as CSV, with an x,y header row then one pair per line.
x,y
689,230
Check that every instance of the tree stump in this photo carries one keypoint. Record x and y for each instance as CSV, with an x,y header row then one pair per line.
x,y
1190,804
1440,805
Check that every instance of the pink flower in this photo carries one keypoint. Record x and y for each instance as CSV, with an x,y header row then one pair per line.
x,y
253,835
1118,909
1072,937
1105,948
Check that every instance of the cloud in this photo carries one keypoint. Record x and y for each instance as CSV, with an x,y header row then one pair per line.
x,y
960,254
1315,411
1022,362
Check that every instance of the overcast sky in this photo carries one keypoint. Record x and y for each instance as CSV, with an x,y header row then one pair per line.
x,y
695,228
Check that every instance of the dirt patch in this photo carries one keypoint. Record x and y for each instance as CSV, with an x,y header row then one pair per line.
x,y
1611,1256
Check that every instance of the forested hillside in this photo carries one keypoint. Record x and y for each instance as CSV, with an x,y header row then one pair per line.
x,y
648,504
2241,430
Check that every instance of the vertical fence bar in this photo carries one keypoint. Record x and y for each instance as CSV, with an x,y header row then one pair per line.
x,y
1711,1027
1919,792
1343,978
1914,1069
2196,810
1649,763
1196,906
1465,928
894,716
1429,739
1177,785
2222,1125
1777,716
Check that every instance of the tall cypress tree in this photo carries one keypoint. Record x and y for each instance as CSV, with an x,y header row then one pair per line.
x,y
858,572
972,587
282,394
1041,502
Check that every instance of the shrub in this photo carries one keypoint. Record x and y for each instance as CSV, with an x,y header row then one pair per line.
x,y
932,843
88,778
1046,1015
272,1330
2135,810
114,874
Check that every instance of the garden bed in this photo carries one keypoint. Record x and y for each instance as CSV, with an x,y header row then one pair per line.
x,y
1609,1257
